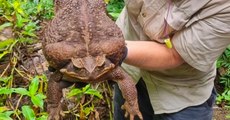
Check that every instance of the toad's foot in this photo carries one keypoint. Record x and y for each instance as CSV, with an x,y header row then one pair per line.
x,y
54,113
132,111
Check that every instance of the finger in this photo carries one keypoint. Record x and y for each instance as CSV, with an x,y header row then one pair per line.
x,y
126,114
123,107
131,117
140,116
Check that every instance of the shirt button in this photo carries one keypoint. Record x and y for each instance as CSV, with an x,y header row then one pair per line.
x,y
143,14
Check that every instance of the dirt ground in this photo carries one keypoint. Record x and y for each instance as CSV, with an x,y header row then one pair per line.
x,y
221,113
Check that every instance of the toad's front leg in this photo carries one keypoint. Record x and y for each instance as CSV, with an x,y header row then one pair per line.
x,y
129,92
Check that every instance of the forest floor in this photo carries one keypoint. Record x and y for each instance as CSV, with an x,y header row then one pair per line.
x,y
221,113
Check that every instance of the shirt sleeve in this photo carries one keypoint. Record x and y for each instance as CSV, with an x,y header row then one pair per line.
x,y
180,11
204,41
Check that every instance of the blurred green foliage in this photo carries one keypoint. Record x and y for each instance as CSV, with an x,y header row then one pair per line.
x,y
223,65
115,7
22,18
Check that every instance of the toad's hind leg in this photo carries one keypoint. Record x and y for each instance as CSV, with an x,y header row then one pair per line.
x,y
54,95
129,92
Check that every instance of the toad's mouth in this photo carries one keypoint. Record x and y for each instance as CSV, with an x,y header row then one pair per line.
x,y
88,77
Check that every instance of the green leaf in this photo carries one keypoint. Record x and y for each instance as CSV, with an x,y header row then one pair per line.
x,y
86,88
12,45
3,54
228,116
6,79
74,92
37,101
5,90
43,77
43,117
19,10
41,96
9,18
29,33
8,113
34,86
17,6
4,116
87,110
27,40
7,24
3,109
20,21
8,49
114,15
106,1
28,113
5,43
31,26
39,7
21,91
94,92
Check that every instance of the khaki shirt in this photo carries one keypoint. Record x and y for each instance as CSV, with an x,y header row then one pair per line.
x,y
202,34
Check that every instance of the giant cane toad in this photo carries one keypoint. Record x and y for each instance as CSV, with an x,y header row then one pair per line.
x,y
83,44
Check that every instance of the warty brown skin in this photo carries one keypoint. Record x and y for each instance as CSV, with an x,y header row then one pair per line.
x,y
83,44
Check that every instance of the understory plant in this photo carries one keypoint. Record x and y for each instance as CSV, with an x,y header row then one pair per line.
x,y
223,65
114,8
23,94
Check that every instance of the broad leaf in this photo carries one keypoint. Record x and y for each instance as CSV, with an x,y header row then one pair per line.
x,y
38,100
94,92
5,90
4,116
74,92
86,88
28,113
7,24
34,86
3,109
5,43
21,91
43,117
8,113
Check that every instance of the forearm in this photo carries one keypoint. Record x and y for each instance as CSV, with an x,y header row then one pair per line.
x,y
151,55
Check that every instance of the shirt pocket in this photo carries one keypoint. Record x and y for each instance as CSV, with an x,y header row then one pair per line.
x,y
151,18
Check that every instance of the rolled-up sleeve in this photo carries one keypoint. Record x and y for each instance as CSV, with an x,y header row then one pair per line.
x,y
204,41
180,11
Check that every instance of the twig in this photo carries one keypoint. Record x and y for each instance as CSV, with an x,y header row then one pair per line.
x,y
5,70
18,102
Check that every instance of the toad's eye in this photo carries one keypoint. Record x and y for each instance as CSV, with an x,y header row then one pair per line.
x,y
100,60
102,64
78,63
76,68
